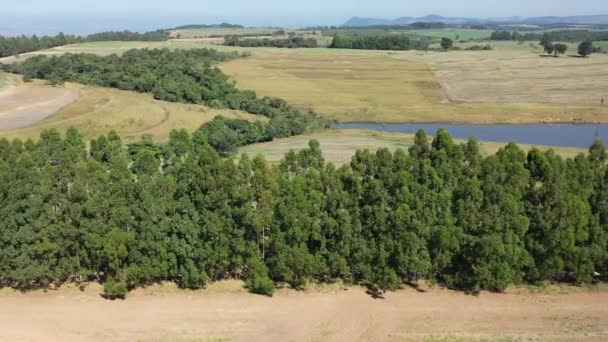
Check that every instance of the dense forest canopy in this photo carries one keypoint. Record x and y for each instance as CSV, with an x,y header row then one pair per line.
x,y
188,76
149,212
291,42
10,46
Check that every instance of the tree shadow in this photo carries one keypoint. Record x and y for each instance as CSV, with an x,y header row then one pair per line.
x,y
415,286
375,292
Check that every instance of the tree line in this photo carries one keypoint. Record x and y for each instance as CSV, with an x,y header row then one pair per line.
x,y
129,216
291,42
378,42
188,76
585,48
558,35
11,46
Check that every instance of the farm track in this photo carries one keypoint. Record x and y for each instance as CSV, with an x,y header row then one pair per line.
x,y
230,314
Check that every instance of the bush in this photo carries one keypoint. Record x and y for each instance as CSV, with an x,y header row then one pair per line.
x,y
388,280
258,280
113,289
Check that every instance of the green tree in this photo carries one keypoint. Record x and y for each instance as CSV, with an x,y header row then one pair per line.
x,y
560,49
585,48
446,44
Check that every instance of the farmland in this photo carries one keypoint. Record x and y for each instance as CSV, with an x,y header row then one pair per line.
x,y
454,34
224,312
500,86
98,110
209,32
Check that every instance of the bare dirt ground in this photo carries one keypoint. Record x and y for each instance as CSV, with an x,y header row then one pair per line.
x,y
25,104
225,312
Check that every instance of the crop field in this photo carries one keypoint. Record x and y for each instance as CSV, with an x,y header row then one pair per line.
x,y
603,44
510,84
340,145
454,34
516,73
225,312
99,110
208,32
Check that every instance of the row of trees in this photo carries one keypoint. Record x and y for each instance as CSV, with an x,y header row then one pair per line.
x,y
10,46
188,76
557,35
291,42
584,49
379,42
136,215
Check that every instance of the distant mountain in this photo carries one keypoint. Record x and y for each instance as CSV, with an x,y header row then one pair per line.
x,y
204,26
360,22
581,20
435,18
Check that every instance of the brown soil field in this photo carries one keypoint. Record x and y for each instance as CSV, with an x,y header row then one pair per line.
x,y
26,104
225,312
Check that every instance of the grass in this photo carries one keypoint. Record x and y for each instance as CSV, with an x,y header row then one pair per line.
x,y
603,44
207,32
340,145
454,34
510,84
99,110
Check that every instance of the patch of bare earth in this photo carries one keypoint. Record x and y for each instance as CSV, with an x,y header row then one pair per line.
x,y
24,105
227,313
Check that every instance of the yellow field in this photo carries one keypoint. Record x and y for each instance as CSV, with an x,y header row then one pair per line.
x,y
374,86
340,145
99,110
207,32
516,73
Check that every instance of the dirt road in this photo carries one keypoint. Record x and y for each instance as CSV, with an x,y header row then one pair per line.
x,y
158,314
25,104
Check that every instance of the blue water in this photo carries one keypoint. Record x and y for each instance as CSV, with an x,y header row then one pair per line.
x,y
565,135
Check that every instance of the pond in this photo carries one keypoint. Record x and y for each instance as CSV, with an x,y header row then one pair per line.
x,y
563,135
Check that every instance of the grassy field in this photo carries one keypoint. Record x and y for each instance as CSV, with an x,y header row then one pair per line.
x,y
340,145
207,32
454,34
99,110
510,84
603,44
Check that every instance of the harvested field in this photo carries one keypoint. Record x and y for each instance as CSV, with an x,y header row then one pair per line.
x,y
99,110
225,312
340,145
517,73
26,104
411,86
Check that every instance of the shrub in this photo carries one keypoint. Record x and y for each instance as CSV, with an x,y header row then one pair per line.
x,y
258,280
113,289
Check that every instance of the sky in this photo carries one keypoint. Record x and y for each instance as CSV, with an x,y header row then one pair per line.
x,y
92,15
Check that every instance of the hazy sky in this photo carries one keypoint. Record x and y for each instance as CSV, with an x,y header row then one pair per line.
x,y
145,13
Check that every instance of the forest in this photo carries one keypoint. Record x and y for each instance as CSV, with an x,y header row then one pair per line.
x,y
291,42
10,46
188,76
377,42
130,216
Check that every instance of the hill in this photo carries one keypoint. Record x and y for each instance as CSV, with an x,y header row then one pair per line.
x,y
204,26
433,18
